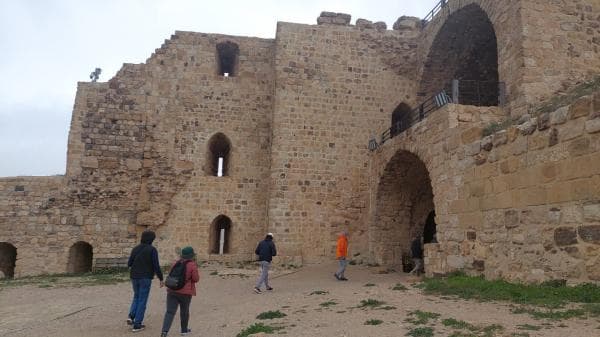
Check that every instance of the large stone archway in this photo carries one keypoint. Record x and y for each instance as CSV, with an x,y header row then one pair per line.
x,y
404,201
465,48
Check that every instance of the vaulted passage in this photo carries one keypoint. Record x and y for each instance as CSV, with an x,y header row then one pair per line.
x,y
401,119
8,259
220,235
465,49
81,255
404,204
217,158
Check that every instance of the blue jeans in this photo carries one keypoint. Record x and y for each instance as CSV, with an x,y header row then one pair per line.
x,y
141,292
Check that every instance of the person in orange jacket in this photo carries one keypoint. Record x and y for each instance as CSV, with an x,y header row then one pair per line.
x,y
341,255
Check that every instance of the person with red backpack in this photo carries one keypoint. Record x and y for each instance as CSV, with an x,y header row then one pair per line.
x,y
181,286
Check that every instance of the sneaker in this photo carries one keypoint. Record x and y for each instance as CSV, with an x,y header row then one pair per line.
x,y
129,321
256,290
138,327
343,279
185,333
269,288
336,276
163,334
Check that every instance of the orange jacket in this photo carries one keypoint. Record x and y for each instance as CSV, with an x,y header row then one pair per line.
x,y
342,247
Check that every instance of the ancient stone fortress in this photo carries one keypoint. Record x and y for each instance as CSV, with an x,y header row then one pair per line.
x,y
478,127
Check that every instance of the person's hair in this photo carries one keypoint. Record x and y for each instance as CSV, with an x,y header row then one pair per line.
x,y
268,237
147,236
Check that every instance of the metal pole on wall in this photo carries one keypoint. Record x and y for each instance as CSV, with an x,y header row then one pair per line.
x,y
455,91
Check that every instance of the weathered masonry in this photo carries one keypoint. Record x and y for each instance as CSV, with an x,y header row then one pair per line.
x,y
492,148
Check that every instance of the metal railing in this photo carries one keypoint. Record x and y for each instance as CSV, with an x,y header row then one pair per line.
x,y
478,93
411,118
438,7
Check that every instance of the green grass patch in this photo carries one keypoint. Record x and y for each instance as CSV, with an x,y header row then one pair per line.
x,y
270,315
419,317
490,330
400,287
529,327
420,332
494,127
98,277
553,315
319,292
370,285
257,328
519,334
373,322
498,290
462,334
370,303
456,324
214,273
328,304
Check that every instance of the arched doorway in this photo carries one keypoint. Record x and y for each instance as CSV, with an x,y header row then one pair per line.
x,y
81,256
401,119
404,202
217,158
220,235
464,49
8,259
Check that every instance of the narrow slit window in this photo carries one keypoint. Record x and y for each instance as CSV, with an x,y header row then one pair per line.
x,y
218,155
227,58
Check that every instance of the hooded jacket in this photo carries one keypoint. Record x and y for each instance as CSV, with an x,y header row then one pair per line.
x,y
143,260
266,250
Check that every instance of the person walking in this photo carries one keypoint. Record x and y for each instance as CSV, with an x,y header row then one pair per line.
x,y
341,254
265,251
143,265
416,251
185,272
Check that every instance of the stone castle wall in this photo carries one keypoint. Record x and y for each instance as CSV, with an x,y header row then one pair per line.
x,y
298,112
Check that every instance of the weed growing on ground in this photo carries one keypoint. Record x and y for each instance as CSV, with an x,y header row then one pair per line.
x,y
373,322
399,286
328,304
490,330
257,328
214,273
387,307
420,332
553,315
456,324
370,303
419,317
370,285
271,315
462,334
498,290
519,334
528,327
319,292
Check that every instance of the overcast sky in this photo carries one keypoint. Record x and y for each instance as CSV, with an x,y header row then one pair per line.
x,y
49,45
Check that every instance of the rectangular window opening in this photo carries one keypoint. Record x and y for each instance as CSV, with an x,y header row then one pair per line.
x,y
220,167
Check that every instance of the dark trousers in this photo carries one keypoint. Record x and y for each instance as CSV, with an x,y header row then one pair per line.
x,y
141,291
175,300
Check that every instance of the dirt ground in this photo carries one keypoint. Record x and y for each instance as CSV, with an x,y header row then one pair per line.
x,y
226,305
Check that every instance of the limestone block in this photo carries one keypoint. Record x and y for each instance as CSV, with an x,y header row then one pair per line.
x,y
334,18
590,234
473,148
591,212
380,25
572,129
133,164
581,108
89,162
593,270
593,125
455,262
511,219
553,137
512,133
528,127
487,143
500,138
543,121
406,23
565,236
363,23
559,116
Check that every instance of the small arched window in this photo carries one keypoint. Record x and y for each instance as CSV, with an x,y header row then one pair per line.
x,y
8,259
220,234
81,255
227,58
217,161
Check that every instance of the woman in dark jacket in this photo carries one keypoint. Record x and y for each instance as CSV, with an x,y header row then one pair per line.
x,y
182,297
